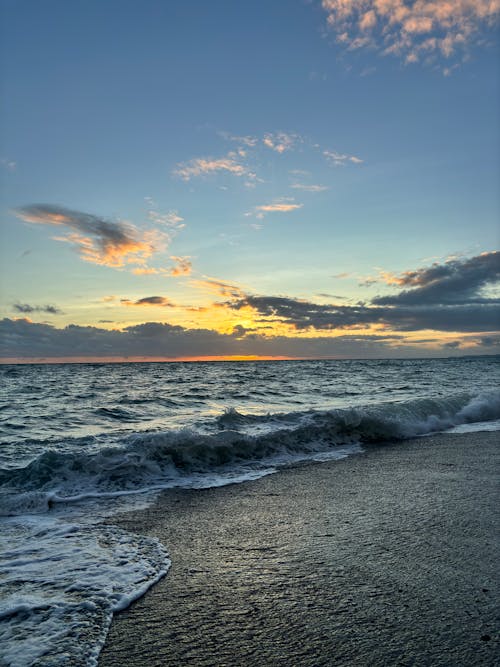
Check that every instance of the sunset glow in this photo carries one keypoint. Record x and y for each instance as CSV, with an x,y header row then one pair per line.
x,y
337,201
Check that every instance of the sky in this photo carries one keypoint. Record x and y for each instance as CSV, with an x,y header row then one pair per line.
x,y
229,179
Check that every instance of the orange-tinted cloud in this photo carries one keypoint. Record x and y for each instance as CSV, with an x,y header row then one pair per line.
x,y
182,267
215,286
97,240
278,207
147,271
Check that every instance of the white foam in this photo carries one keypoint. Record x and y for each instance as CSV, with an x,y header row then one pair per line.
x,y
475,427
61,584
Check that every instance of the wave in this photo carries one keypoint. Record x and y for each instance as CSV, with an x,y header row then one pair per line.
x,y
119,414
161,459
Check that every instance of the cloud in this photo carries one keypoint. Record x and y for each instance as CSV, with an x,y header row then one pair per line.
x,y
27,308
280,142
220,287
22,339
97,240
309,188
170,218
340,159
418,30
183,266
453,344
279,207
202,166
284,205
149,271
454,281
149,301
307,315
10,165
446,297
248,141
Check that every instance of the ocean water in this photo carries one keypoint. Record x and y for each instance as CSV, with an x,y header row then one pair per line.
x,y
80,442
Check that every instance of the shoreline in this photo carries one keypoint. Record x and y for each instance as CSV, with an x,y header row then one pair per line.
x,y
385,557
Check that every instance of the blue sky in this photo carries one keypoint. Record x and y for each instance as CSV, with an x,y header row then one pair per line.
x,y
320,152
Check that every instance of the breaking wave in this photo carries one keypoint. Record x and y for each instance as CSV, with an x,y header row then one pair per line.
x,y
242,447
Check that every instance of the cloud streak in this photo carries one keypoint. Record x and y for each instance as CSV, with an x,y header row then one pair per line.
x,y
99,241
149,301
27,308
341,159
309,188
278,207
206,166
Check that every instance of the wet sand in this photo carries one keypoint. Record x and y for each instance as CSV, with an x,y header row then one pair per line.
x,y
386,558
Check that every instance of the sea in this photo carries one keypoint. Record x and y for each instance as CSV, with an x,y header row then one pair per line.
x,y
83,442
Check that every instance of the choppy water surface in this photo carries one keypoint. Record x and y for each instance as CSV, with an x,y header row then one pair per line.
x,y
79,442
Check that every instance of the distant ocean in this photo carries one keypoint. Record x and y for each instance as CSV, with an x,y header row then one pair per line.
x,y
80,442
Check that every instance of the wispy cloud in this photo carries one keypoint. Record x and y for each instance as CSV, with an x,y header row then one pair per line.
x,y
97,240
149,301
243,140
183,266
169,219
278,207
220,287
205,166
422,30
309,188
280,142
28,308
149,271
340,159
284,205
10,165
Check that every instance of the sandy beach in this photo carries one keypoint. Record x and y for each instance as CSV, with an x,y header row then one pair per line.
x,y
386,558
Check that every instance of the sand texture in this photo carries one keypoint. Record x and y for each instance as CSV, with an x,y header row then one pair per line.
x,y
387,558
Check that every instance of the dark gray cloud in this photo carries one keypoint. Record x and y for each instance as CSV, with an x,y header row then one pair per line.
x,y
445,297
489,341
22,339
457,281
149,301
27,308
308,315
